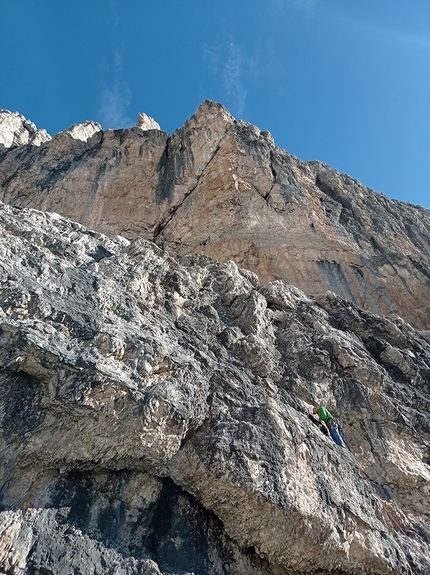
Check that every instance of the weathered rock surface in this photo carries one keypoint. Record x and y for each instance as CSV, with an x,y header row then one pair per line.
x,y
145,122
83,131
153,416
15,130
221,187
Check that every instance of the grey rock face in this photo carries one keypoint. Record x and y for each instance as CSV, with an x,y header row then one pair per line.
x,y
220,187
154,417
15,130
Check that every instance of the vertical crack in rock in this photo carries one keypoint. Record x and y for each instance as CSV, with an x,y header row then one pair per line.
x,y
162,195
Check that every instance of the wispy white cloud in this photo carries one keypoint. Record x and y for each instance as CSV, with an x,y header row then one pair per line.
x,y
113,14
114,102
233,77
229,63
118,65
115,97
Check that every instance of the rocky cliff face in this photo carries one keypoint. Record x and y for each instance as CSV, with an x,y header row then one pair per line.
x,y
220,187
154,414
15,130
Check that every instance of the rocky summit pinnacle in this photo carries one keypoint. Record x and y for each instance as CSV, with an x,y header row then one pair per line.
x,y
220,187
162,348
15,130
145,122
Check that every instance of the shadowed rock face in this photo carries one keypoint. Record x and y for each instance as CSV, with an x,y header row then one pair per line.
x,y
220,187
153,417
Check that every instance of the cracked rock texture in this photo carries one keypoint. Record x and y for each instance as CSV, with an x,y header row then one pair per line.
x,y
220,187
83,131
145,122
15,130
154,414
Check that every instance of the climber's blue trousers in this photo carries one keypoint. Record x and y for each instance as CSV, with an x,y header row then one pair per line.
x,y
334,432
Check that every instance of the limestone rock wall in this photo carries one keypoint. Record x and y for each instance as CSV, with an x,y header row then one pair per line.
x,y
221,187
153,416
15,130
83,131
145,122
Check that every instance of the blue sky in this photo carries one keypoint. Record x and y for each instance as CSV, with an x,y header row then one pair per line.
x,y
346,82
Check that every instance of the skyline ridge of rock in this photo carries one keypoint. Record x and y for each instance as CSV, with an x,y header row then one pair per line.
x,y
16,130
220,187
168,315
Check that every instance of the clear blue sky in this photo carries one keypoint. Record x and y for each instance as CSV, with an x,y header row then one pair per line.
x,y
346,82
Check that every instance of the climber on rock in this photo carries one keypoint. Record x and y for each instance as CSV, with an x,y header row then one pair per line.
x,y
326,418
321,426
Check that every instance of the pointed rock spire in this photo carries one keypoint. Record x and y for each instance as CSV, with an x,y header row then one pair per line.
x,y
16,130
145,122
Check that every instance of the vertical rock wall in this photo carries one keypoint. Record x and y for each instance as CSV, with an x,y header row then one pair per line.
x,y
153,417
220,187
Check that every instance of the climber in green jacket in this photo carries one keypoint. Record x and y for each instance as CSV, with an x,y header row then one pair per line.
x,y
326,417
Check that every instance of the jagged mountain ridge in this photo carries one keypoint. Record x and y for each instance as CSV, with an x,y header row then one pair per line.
x,y
220,187
15,130
153,417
